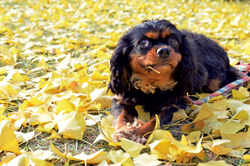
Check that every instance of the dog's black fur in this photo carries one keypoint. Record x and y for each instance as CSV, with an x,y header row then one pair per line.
x,y
202,60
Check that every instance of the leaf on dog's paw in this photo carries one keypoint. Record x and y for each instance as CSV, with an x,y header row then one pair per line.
x,y
156,135
142,115
132,148
157,123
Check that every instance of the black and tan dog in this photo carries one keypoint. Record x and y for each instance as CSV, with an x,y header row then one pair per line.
x,y
155,65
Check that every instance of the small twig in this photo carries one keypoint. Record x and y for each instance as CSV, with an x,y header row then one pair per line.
x,y
86,142
181,163
76,144
82,162
177,123
30,139
65,146
148,67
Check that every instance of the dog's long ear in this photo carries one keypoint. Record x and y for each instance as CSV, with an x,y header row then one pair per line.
x,y
119,67
190,71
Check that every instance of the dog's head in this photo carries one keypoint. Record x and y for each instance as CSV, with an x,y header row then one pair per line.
x,y
154,54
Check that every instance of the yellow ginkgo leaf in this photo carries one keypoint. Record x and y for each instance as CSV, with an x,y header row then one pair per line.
x,y
23,137
42,64
142,115
240,94
146,160
160,148
132,148
17,77
229,128
94,158
246,157
2,70
157,123
213,163
220,105
119,157
238,139
65,105
180,114
101,54
94,39
102,67
247,49
107,130
194,136
97,76
8,138
11,91
72,125
188,148
57,152
204,113
8,57
194,126
35,101
6,159
241,115
156,135
218,147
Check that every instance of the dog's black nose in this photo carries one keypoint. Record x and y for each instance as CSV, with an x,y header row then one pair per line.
x,y
164,52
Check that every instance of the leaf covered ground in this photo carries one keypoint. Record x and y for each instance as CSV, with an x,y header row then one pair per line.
x,y
54,71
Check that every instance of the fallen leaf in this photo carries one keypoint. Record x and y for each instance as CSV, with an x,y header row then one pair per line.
x,y
132,148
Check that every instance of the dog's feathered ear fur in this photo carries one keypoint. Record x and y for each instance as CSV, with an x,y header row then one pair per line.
x,y
190,71
120,74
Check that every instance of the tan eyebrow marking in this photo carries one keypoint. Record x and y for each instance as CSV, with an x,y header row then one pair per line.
x,y
166,33
152,35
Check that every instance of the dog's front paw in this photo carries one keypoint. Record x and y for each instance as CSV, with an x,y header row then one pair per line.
x,y
129,132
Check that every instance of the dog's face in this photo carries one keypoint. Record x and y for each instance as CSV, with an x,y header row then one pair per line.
x,y
155,56
148,56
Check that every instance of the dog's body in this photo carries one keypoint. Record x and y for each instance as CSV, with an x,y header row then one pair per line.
x,y
155,65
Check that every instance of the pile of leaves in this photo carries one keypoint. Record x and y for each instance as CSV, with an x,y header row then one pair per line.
x,y
54,71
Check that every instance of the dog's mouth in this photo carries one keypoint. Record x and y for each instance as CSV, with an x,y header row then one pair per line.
x,y
155,67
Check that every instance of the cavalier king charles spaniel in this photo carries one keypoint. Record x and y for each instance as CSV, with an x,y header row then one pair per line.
x,y
155,65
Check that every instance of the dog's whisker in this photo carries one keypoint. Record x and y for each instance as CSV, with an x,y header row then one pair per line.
x,y
149,67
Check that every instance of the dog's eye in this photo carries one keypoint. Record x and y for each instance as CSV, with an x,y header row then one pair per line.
x,y
173,41
143,43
